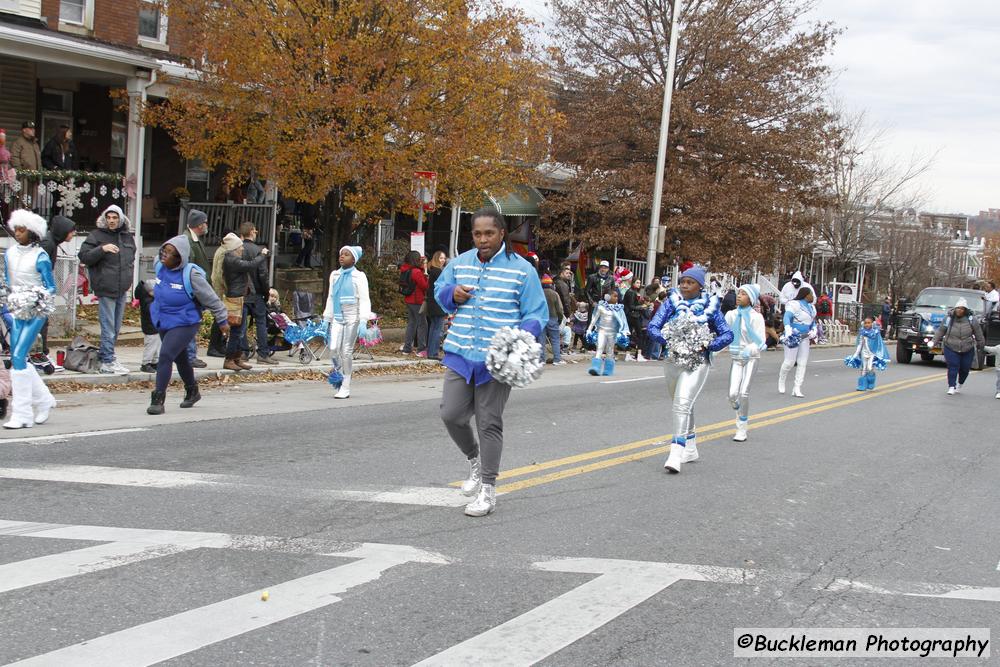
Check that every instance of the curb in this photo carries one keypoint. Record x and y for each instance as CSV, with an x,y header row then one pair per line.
x,y
203,373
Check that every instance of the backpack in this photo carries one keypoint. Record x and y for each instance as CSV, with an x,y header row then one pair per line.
x,y
186,279
406,284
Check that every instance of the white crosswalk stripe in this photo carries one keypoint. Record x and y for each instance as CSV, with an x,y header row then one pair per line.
x,y
532,636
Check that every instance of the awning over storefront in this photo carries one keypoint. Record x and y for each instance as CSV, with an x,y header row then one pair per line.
x,y
524,200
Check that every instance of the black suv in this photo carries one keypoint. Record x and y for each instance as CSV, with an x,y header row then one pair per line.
x,y
919,322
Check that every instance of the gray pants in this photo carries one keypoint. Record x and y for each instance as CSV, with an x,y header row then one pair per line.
x,y
459,402
150,348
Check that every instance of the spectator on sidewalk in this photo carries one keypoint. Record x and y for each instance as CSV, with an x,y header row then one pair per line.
x,y
197,227
435,313
150,334
413,285
635,306
255,303
236,284
551,331
179,294
564,286
599,284
109,255
991,299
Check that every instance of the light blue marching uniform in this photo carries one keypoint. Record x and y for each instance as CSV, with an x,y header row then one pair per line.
x,y
27,266
507,293
800,327
869,356
609,322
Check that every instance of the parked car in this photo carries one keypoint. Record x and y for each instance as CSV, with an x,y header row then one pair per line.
x,y
917,324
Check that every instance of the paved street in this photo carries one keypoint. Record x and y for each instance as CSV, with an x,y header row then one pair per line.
x,y
155,538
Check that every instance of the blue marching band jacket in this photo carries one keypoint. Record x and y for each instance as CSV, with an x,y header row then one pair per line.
x,y
705,308
507,293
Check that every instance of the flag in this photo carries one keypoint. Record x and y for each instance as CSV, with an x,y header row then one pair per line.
x,y
582,264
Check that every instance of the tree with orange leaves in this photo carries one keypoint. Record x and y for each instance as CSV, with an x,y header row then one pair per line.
x,y
342,101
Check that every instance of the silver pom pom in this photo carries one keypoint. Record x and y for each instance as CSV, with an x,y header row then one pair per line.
x,y
25,303
687,341
514,357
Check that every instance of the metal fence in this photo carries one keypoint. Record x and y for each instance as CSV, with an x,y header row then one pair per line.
x,y
62,323
227,217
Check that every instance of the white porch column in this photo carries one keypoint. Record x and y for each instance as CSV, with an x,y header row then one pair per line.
x,y
134,157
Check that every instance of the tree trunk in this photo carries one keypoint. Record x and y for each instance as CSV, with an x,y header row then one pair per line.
x,y
337,224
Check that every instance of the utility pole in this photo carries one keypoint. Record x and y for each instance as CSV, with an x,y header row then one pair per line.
x,y
661,157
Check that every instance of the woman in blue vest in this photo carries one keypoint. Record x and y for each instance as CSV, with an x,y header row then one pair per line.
x,y
27,265
180,294
487,288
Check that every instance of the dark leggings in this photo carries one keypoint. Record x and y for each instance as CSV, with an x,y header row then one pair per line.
x,y
173,350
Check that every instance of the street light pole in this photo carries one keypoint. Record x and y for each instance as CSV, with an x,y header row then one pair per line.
x,y
661,157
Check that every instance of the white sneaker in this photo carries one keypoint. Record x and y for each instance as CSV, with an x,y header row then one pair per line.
x,y
559,363
641,359
958,389
629,357
951,391
484,503
997,396
113,369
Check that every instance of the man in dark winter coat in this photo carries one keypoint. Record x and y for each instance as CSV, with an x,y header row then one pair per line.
x,y
109,255
599,284
237,271
197,227
255,303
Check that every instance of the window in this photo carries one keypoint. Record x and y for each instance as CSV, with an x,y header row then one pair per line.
x,y
73,11
152,22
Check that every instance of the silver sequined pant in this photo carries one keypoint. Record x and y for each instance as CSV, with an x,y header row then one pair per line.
x,y
740,377
605,344
683,387
343,336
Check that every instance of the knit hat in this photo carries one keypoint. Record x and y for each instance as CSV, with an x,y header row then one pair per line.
x,y
753,292
354,250
196,218
695,273
961,303
546,281
30,221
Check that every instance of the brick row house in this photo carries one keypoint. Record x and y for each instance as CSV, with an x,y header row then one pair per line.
x,y
60,61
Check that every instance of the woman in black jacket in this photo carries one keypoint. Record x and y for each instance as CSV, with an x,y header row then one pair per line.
x,y
435,313
60,151
634,312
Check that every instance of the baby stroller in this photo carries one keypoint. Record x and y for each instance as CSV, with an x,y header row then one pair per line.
x,y
305,333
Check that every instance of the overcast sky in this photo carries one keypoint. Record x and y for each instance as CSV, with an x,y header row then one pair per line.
x,y
928,72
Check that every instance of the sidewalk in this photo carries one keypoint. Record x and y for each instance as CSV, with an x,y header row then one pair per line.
x,y
131,357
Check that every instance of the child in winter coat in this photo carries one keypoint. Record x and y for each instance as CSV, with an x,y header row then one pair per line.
x,y
580,324
150,336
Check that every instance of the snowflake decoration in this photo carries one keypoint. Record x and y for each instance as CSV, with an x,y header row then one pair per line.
x,y
41,188
27,200
16,185
52,186
86,187
115,193
93,202
6,199
103,190
69,197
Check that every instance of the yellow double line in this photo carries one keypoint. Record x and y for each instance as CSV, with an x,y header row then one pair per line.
x,y
661,444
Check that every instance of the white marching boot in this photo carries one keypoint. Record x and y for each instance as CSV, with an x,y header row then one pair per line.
x,y
741,431
345,388
21,415
484,503
41,398
800,377
782,375
690,450
470,487
673,464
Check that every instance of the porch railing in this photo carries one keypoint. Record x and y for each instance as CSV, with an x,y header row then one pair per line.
x,y
80,195
227,217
